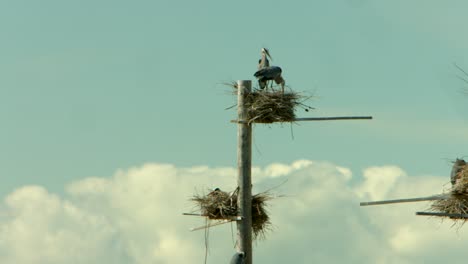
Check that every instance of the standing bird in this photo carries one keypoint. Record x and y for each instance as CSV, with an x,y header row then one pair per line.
x,y
268,74
238,258
264,62
456,168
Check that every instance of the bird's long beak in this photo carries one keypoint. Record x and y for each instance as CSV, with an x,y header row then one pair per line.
x,y
267,53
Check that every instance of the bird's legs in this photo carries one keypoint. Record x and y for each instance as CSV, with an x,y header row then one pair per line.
x,y
262,84
279,80
265,85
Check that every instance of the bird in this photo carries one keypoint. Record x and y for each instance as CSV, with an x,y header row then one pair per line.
x,y
216,191
456,168
264,62
270,73
238,258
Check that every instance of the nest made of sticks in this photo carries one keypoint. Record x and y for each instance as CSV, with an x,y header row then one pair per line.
x,y
220,205
269,107
457,202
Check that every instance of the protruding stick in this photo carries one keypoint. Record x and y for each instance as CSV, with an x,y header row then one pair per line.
x,y
442,214
408,200
211,225
232,218
193,214
332,118
325,118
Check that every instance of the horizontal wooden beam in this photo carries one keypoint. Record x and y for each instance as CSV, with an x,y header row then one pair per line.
x,y
408,200
193,214
330,118
442,214
326,118
219,222
231,218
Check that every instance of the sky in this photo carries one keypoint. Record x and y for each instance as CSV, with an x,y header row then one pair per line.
x,y
104,99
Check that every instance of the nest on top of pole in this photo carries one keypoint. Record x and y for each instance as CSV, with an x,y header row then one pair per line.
x,y
220,205
269,107
457,201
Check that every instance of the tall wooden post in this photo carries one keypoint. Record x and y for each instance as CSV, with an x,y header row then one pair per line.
x,y
244,164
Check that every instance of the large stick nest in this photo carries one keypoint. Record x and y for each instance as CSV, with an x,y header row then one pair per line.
x,y
457,202
220,205
269,107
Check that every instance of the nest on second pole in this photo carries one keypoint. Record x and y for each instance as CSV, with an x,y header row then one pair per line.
x,y
457,202
220,205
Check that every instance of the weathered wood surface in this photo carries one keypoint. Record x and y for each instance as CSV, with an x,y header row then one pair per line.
x,y
244,181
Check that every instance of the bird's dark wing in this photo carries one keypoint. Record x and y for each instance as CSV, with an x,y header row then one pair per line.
x,y
268,73
259,73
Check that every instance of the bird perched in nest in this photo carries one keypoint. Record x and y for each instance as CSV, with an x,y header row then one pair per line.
x,y
216,191
263,62
456,169
238,258
267,73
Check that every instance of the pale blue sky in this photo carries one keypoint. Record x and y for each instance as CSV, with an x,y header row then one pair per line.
x,y
88,87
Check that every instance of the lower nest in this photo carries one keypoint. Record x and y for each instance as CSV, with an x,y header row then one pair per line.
x,y
219,205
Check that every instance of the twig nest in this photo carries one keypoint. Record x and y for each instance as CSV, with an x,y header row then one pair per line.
x,y
217,205
457,203
220,205
269,107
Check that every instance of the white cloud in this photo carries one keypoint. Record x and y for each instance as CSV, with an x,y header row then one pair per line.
x,y
135,216
379,181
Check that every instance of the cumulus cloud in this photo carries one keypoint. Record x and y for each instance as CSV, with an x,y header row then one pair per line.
x,y
135,216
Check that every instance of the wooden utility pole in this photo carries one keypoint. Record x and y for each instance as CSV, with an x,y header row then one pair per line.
x,y
244,181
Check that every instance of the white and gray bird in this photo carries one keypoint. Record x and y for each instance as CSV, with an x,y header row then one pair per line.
x,y
238,258
270,73
264,62
456,168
